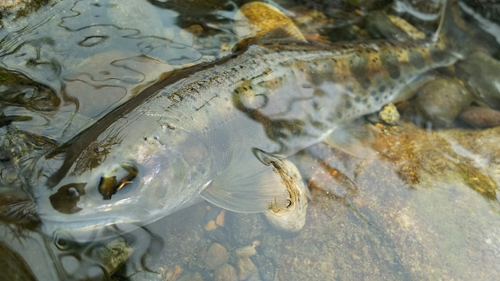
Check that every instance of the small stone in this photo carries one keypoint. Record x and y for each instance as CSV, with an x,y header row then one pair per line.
x,y
191,277
246,268
480,117
389,114
265,266
440,101
220,220
216,256
195,29
245,228
254,277
225,273
245,252
211,225
174,273
115,254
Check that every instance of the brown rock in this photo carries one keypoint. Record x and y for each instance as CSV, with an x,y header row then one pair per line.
x,y
225,273
246,268
481,117
216,256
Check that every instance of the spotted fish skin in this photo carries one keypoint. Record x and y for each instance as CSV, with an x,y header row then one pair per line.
x,y
299,93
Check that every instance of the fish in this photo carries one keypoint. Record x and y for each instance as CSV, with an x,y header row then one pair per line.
x,y
222,131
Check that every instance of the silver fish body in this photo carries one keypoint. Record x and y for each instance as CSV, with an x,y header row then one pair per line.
x,y
216,126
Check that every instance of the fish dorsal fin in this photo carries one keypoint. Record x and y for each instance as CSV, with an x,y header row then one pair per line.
x,y
250,184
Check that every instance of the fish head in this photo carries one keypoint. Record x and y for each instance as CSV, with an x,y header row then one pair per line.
x,y
125,182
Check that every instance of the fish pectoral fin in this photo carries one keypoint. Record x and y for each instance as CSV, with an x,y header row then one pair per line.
x,y
354,139
259,182
248,185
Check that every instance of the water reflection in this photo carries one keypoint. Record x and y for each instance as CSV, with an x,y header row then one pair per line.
x,y
423,207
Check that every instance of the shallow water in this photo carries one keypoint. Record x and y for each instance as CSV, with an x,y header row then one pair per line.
x,y
423,206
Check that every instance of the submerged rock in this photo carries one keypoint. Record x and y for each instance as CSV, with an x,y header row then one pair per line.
x,y
425,195
225,273
114,254
216,256
480,117
439,102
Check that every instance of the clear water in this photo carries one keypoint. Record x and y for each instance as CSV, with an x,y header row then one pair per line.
x,y
422,207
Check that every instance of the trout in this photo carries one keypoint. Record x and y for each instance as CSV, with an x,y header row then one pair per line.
x,y
221,130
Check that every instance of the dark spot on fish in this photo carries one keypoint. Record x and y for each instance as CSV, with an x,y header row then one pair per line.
x,y
348,104
317,125
391,64
357,99
358,69
339,114
365,100
381,89
377,98
373,93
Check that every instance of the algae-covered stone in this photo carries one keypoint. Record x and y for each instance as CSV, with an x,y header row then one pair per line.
x,y
114,254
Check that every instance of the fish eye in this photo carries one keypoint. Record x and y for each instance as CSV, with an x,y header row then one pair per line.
x,y
116,178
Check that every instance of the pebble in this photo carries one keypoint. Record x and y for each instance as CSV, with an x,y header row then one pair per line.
x,y
266,267
211,225
480,117
191,277
220,220
245,252
441,101
115,254
245,268
389,114
225,273
216,256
